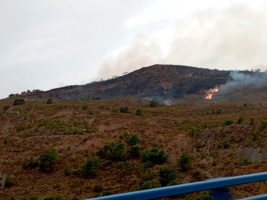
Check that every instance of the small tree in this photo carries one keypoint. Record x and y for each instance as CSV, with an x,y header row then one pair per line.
x,y
138,112
48,160
155,156
185,161
133,139
90,168
113,152
167,175
240,120
153,104
9,182
134,151
18,102
49,101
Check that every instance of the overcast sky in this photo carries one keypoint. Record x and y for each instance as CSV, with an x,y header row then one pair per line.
x,y
46,44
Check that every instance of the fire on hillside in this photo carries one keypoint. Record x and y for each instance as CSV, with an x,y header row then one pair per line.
x,y
211,92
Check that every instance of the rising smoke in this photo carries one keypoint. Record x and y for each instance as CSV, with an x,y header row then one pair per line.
x,y
250,80
230,38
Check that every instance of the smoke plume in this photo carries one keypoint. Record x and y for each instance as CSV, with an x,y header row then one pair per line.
x,y
232,38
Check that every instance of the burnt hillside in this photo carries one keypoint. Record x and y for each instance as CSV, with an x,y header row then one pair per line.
x,y
157,81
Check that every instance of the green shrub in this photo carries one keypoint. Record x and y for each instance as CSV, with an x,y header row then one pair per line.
x,y
90,168
9,182
205,196
49,101
48,160
228,122
153,104
139,112
154,156
133,139
124,109
134,151
251,121
67,170
18,102
167,175
113,152
30,163
54,198
149,185
240,120
185,161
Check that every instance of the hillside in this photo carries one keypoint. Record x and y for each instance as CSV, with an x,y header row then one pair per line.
x,y
157,82
222,140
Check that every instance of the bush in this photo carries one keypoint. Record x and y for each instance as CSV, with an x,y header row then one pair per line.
x,y
90,168
149,185
154,156
30,163
185,161
134,151
18,102
153,104
48,160
228,122
167,175
124,109
9,182
240,120
113,152
54,198
133,140
98,188
67,170
139,112
49,101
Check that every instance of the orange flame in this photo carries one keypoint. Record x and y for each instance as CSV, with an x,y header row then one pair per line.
x,y
211,92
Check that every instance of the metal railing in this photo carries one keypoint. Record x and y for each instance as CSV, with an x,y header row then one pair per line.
x,y
217,186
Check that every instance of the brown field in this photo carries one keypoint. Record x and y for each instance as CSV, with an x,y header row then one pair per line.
x,y
77,130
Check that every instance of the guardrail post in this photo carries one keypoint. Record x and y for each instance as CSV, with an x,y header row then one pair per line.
x,y
221,194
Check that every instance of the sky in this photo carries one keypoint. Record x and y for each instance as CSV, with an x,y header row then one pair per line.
x,y
46,44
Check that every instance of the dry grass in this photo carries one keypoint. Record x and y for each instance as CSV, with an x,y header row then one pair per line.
x,y
79,129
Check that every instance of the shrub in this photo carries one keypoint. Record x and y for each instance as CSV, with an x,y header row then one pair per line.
x,y
113,152
134,151
139,112
54,198
90,168
30,163
251,121
153,104
48,160
18,102
167,175
67,170
124,109
228,122
98,188
149,185
49,101
5,108
133,140
240,120
185,161
154,156
9,182
205,196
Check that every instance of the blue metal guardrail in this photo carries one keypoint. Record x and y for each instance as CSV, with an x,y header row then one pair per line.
x,y
217,185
